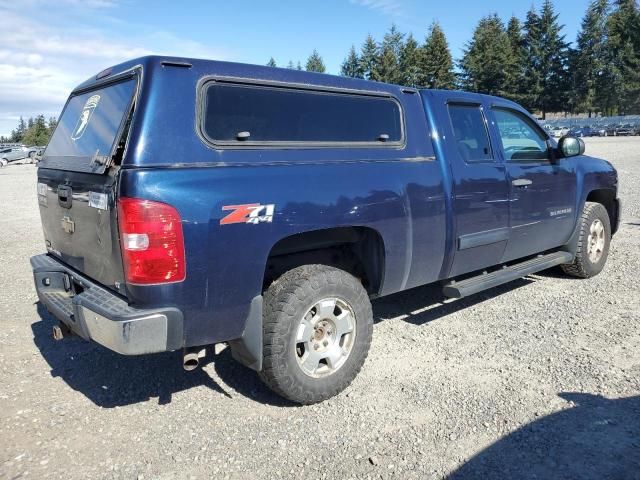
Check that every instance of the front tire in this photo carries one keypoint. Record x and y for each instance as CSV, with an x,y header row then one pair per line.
x,y
318,325
593,242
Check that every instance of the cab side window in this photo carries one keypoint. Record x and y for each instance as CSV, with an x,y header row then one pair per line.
x,y
521,141
470,133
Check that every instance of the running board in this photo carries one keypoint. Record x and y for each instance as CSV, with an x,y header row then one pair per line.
x,y
485,281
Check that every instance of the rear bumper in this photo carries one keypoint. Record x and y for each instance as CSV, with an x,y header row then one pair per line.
x,y
95,313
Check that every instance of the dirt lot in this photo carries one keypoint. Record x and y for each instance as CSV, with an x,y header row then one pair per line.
x,y
536,379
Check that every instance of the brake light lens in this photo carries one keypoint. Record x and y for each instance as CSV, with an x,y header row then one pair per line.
x,y
152,242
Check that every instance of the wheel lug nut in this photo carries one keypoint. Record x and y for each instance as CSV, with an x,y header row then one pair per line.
x,y
316,346
325,343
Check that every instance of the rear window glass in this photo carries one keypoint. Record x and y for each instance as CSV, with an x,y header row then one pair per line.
x,y
89,125
470,132
245,114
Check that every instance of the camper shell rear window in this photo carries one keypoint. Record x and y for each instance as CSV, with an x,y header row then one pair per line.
x,y
239,114
90,127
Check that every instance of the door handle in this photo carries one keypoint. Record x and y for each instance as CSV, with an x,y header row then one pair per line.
x,y
521,182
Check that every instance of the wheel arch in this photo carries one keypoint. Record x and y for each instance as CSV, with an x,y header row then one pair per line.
x,y
607,198
359,250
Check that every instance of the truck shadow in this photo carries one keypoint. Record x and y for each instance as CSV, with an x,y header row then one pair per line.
x,y
597,438
424,304
110,380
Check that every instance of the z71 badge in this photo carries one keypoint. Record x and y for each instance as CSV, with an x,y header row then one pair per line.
x,y
249,213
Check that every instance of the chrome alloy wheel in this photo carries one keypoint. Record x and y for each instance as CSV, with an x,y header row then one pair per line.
x,y
595,241
325,337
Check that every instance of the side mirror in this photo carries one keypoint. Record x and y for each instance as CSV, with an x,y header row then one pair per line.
x,y
571,146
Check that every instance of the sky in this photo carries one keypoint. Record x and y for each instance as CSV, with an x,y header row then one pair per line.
x,y
48,47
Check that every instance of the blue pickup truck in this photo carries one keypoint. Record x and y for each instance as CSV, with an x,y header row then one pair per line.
x,y
188,203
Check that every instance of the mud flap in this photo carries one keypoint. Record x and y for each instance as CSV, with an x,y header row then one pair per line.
x,y
248,349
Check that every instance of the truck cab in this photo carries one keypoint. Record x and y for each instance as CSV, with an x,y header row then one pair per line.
x,y
187,203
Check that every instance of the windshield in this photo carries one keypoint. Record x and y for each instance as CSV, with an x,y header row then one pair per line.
x,y
88,127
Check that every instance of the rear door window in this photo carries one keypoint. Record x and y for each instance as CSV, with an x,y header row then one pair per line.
x,y
470,133
238,114
87,132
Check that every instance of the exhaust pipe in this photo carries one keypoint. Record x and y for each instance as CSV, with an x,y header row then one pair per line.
x,y
191,358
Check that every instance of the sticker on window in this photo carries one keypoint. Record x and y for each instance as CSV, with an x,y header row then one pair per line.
x,y
85,116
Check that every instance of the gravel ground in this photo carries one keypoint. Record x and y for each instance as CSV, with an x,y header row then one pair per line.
x,y
536,379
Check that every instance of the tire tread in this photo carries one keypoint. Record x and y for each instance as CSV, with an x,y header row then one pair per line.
x,y
279,315
580,266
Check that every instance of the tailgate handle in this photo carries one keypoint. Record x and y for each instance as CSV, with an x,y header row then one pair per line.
x,y
65,196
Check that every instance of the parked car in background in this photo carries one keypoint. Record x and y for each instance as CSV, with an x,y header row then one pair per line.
x,y
599,130
559,131
12,154
625,130
585,131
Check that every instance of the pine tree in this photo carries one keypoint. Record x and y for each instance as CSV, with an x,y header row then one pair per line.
x,y
37,132
315,63
409,63
387,69
271,63
514,88
52,124
290,65
546,78
435,63
394,39
554,62
369,58
589,60
532,73
18,134
485,56
351,65
298,66
623,46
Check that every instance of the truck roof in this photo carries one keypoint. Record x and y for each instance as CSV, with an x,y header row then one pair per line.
x,y
201,67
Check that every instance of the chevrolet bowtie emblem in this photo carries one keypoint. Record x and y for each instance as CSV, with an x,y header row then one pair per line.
x,y
68,225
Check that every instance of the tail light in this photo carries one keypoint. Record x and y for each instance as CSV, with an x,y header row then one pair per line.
x,y
152,242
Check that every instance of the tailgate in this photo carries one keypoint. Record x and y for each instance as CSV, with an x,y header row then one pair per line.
x,y
80,225
76,186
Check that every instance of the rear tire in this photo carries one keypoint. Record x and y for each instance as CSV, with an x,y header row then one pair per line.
x,y
318,325
593,242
